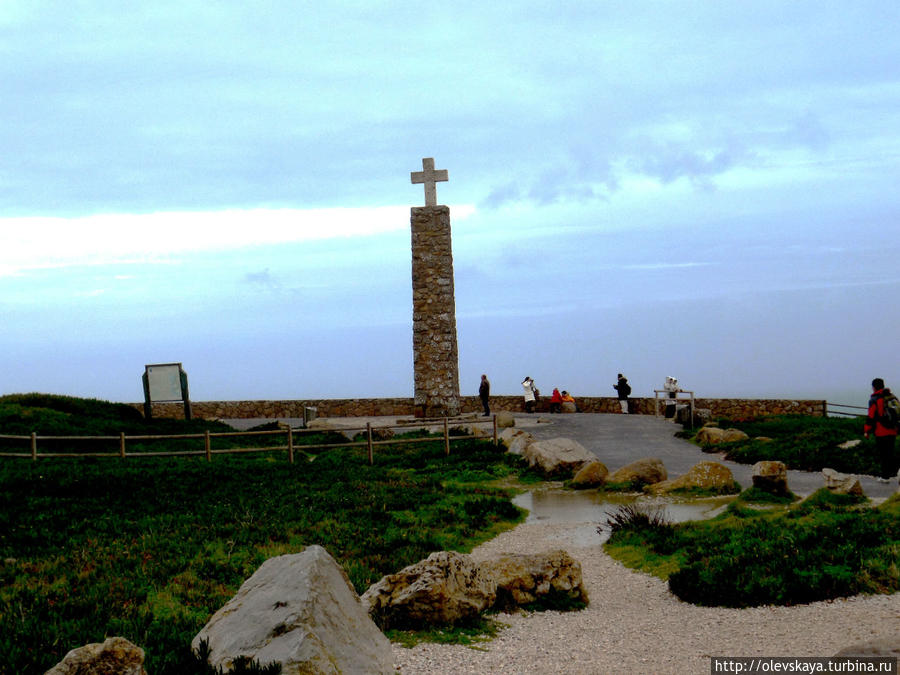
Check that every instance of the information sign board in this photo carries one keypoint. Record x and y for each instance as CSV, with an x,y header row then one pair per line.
x,y
165,383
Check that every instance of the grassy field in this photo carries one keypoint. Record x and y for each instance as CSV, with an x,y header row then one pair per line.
x,y
148,548
805,443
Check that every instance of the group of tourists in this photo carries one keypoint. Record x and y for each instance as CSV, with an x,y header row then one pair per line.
x,y
531,395
559,400
882,419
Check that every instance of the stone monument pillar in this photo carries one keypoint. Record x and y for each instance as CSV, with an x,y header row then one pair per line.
x,y
435,354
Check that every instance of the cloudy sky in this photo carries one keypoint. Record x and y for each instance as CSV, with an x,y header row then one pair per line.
x,y
701,189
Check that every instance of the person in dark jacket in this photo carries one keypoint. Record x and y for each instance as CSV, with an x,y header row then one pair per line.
x,y
878,423
484,393
624,391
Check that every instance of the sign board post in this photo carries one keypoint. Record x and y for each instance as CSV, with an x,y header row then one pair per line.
x,y
165,383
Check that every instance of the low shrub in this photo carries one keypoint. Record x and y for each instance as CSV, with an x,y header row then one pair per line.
x,y
787,561
85,408
649,525
826,500
802,442
633,516
824,548
149,548
754,495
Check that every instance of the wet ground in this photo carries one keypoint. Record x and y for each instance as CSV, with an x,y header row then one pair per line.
x,y
589,509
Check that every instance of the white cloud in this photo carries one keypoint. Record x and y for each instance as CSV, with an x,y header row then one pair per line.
x,y
45,242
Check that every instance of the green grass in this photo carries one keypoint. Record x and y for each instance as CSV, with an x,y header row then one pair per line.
x,y
802,442
755,495
825,547
472,633
148,548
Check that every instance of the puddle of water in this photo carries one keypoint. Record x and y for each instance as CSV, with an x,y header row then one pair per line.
x,y
588,508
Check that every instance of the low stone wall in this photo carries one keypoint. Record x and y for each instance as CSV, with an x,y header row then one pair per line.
x,y
733,408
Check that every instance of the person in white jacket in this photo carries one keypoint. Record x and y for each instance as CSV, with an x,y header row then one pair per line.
x,y
529,391
672,387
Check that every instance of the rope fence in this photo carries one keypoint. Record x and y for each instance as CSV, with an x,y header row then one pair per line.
x,y
371,435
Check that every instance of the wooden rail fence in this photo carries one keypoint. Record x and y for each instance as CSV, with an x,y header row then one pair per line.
x,y
371,432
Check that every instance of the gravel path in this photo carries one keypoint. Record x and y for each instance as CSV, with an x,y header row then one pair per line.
x,y
634,625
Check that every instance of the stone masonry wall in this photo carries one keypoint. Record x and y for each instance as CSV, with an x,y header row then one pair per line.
x,y
435,355
732,408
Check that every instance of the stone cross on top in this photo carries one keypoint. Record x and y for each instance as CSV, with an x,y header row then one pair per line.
x,y
429,176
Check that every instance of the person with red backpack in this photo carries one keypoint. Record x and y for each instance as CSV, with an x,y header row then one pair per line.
x,y
882,420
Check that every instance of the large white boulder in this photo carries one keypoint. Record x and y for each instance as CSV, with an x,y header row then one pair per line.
x,y
557,455
300,611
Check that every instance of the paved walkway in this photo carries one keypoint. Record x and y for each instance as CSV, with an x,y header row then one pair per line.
x,y
618,440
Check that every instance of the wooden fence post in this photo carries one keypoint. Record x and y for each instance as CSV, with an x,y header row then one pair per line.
x,y
495,431
290,445
122,444
206,445
446,438
369,443
33,446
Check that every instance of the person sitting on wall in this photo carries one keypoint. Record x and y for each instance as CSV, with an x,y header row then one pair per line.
x,y
568,403
556,401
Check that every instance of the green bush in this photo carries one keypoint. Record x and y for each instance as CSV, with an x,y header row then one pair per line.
x,y
149,548
754,495
802,442
80,407
646,526
783,561
826,500
823,548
